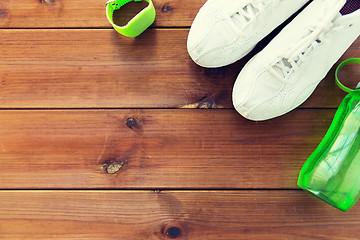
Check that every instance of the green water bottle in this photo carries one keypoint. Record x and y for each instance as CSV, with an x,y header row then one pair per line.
x,y
332,172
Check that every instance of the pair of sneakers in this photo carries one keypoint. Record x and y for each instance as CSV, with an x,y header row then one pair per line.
x,y
285,73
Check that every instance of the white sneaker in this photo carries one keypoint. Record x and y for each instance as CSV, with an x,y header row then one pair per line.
x,y
285,73
226,30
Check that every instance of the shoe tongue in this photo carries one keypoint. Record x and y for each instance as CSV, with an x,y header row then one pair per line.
x,y
331,8
338,15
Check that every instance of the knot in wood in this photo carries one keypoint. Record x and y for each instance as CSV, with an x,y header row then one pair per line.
x,y
113,167
47,1
166,8
131,122
3,13
173,232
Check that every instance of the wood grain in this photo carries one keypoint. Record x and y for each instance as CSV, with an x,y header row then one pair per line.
x,y
89,14
113,122
270,215
171,149
100,69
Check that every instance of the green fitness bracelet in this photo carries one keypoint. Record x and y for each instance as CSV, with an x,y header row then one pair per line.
x,y
332,172
137,24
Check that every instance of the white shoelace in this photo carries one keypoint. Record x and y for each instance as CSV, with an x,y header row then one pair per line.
x,y
297,54
250,11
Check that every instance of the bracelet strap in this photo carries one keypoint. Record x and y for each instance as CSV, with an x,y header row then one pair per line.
x,y
342,64
137,24
117,4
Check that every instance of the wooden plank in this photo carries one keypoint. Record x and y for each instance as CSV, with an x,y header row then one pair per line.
x,y
171,149
172,215
98,68
91,14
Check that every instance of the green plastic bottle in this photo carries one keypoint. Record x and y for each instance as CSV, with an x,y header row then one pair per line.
x,y
332,172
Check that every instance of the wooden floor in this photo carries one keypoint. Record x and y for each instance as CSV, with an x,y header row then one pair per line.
x,y
108,137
